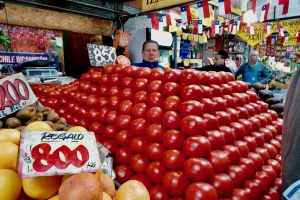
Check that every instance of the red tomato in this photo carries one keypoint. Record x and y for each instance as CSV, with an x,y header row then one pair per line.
x,y
214,78
172,103
143,179
216,90
93,89
110,145
173,139
156,74
85,77
127,82
171,120
263,121
268,117
223,184
111,117
247,126
223,118
208,105
173,159
123,155
127,94
139,126
235,87
155,99
62,111
140,84
251,143
250,109
52,103
253,189
207,92
115,91
239,194
256,107
123,122
201,191
226,89
276,144
157,192
263,106
216,139
219,161
275,165
272,194
108,69
118,69
278,125
189,77
211,121
155,171
138,144
104,79
92,100
196,146
243,112
104,90
96,127
219,104
193,125
238,130
93,114
123,173
175,183
170,89
154,151
155,132
123,137
268,136
198,169
248,166
257,160
54,94
277,185
191,92
263,181
263,153
42,99
259,138
237,175
103,113
140,110
273,114
233,154
140,97
115,80
125,107
102,102
129,71
155,86
229,135
114,102
171,75
191,107
271,173
155,114
143,72
230,101
83,111
243,148
139,163
109,131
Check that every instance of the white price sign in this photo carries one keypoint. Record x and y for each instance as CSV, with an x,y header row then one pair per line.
x,y
48,153
101,55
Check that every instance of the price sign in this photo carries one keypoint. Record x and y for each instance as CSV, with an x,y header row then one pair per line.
x,y
184,36
15,93
186,63
179,60
101,55
196,38
49,153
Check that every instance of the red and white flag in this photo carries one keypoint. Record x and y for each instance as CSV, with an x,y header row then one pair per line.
x,y
233,32
286,4
286,38
264,12
166,17
215,27
161,24
224,7
239,23
186,13
254,6
230,26
203,9
280,30
153,22
223,28
250,29
198,27
267,28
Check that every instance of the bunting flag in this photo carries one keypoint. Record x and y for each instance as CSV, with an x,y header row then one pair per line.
x,y
161,24
224,7
264,12
269,39
223,28
167,18
153,22
298,37
234,27
186,13
239,23
198,27
286,38
267,28
203,9
230,27
254,6
250,29
286,4
217,27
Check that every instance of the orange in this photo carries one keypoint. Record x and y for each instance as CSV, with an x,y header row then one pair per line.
x,y
42,187
10,135
65,177
38,126
10,184
133,190
77,129
106,196
82,186
107,185
55,197
8,155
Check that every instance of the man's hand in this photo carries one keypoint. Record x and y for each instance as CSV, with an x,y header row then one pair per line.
x,y
125,39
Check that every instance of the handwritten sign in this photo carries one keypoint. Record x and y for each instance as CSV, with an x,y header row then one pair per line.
x,y
46,153
253,39
101,55
292,41
15,93
291,26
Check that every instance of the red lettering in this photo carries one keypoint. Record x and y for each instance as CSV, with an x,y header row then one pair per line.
x,y
38,157
84,155
2,98
56,159
9,97
18,83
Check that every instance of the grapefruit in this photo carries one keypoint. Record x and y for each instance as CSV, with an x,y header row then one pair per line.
x,y
77,129
8,155
10,135
10,184
38,126
133,190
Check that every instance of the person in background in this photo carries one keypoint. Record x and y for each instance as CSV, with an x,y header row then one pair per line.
x,y
122,40
253,71
219,63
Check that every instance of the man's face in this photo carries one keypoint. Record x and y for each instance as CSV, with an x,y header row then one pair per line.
x,y
254,57
218,60
150,52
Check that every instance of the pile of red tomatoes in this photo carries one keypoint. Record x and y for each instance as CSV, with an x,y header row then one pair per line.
x,y
183,134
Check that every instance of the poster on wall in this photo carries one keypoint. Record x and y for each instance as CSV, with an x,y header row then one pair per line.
x,y
28,43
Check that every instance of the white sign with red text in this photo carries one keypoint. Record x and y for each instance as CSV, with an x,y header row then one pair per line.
x,y
49,153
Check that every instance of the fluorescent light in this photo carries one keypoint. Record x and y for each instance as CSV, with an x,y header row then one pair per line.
x,y
249,17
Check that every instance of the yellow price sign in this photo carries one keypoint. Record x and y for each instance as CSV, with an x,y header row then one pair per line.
x,y
184,36
196,38
179,31
190,37
186,63
179,60
170,52
203,39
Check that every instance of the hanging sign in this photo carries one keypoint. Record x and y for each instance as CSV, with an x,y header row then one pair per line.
x,y
258,36
292,41
207,21
291,26
49,153
150,5
236,5
15,93
101,55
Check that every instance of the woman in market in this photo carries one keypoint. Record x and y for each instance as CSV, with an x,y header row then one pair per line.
x,y
219,63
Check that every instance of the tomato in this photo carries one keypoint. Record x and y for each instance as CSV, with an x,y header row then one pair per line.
x,y
223,118
173,139
173,159
71,104
140,97
206,92
263,106
118,69
102,102
138,144
253,189
54,94
237,175
243,148
175,183
219,161
216,90
154,151
123,155
157,192
208,105
92,100
170,89
125,107
248,166
155,86
267,134
143,72
83,122
93,114
233,154
171,120
239,194
228,133
277,185
216,139
74,120
193,125
127,82
83,112
108,69
256,107
129,71
123,122
250,109
189,77
96,127
155,171
52,103
271,173
257,160
272,194
239,99
276,144
93,89
109,131
191,92
155,132
123,173
191,107
82,99
259,138
268,117
211,121
127,94
198,169
263,181
104,90
62,111
112,116
235,87
238,130
273,114
115,91
278,125
143,179
155,114
247,126
115,80
139,163
156,74
140,110
42,99
171,75
103,113
201,191
155,99
85,77
251,143
139,126
226,89
123,137
243,112
219,104
196,146
223,184
140,84
172,103
230,101
275,165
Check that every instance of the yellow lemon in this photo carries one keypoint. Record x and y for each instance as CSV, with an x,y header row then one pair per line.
x,y
8,155
42,187
55,197
77,129
10,184
38,126
10,135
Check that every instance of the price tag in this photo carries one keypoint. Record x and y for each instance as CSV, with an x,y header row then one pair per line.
x,y
196,38
49,153
101,55
186,63
15,94
202,39
184,36
170,52
179,32
190,37
179,60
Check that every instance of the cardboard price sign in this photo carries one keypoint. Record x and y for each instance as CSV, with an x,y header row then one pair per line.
x,y
49,153
15,93
291,26
101,55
